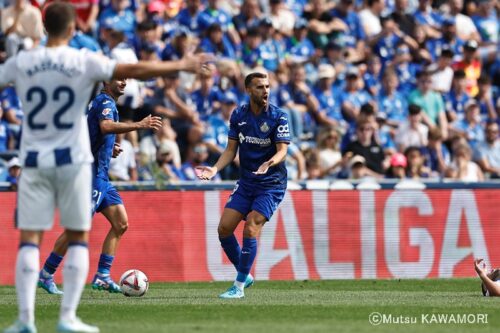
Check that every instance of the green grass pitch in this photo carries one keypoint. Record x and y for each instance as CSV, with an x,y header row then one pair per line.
x,y
299,306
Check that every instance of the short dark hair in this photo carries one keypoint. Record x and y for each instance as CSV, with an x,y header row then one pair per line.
x,y
367,109
459,74
58,17
255,75
414,109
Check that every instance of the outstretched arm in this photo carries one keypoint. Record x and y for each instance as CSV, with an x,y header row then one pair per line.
x,y
147,69
206,173
109,126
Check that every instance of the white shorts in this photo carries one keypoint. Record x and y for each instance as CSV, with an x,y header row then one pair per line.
x,y
41,191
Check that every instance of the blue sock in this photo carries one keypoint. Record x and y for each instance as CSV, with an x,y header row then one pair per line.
x,y
105,262
232,248
52,263
248,253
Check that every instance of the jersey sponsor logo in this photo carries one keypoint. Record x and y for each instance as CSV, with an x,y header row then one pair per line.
x,y
106,111
242,123
264,127
283,131
255,141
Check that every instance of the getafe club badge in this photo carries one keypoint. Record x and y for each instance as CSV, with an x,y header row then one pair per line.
x,y
264,127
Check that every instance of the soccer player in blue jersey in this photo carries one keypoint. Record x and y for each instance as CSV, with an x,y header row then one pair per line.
x,y
103,122
260,132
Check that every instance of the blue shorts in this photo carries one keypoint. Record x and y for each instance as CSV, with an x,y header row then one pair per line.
x,y
246,198
104,194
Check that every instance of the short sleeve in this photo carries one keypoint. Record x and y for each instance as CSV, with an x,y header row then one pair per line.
x,y
282,133
8,71
99,67
233,126
105,111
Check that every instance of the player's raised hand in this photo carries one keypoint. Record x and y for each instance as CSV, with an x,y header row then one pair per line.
x,y
263,168
205,172
480,267
197,62
117,150
152,122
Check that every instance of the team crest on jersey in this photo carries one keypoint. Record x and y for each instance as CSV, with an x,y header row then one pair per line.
x,y
106,111
264,127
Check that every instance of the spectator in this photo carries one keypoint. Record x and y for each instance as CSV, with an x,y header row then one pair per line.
x,y
86,14
465,26
442,72
427,17
372,76
249,16
14,171
405,69
283,19
329,111
367,147
430,102
457,97
212,15
5,135
273,45
487,153
207,98
197,156
352,97
462,168
165,163
448,41
123,167
217,43
252,49
485,99
416,168
330,158
370,17
299,48
313,167
486,21
470,127
12,114
436,155
22,25
412,132
403,18
295,163
120,16
390,101
149,145
189,16
353,37
297,97
321,22
397,168
358,168
471,66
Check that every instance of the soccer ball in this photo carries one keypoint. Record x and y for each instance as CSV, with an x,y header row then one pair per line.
x,y
134,283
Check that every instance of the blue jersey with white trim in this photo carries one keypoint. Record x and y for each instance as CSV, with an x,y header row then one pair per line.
x,y
101,108
257,136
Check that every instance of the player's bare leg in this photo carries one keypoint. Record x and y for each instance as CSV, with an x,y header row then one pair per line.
x,y
117,217
253,226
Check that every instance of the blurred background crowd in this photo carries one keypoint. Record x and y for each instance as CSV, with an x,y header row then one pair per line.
x,y
373,88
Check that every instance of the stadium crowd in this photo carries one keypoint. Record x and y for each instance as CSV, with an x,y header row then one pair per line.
x,y
374,88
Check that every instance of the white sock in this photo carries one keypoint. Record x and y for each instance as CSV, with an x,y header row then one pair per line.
x,y
240,285
27,267
75,271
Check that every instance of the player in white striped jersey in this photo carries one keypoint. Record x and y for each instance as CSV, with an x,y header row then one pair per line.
x,y
54,84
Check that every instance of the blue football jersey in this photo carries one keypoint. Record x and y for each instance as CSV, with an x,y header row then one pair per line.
x,y
102,107
257,137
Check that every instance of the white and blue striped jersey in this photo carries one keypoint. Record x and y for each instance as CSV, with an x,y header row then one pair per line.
x,y
54,85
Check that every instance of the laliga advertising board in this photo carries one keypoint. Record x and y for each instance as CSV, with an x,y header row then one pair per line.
x,y
314,235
